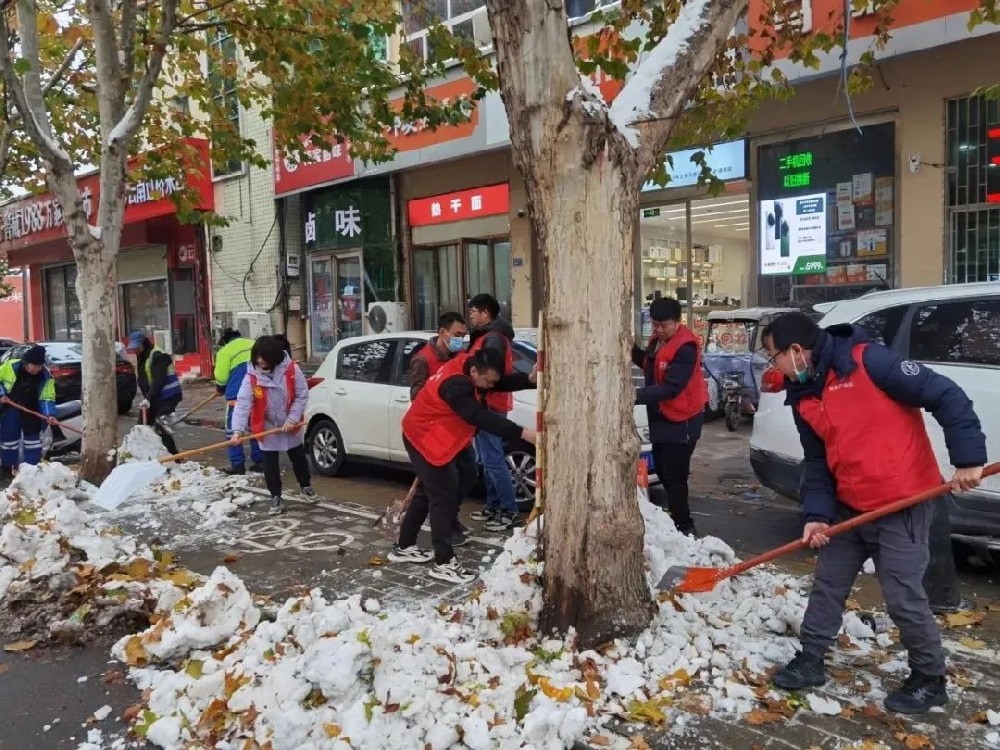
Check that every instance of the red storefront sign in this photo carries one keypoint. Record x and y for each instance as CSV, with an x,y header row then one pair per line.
x,y
464,204
409,136
331,163
38,219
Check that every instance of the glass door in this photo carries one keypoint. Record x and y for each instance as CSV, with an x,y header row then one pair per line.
x,y
487,269
350,306
321,324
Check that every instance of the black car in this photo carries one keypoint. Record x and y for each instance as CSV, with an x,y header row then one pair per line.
x,y
65,361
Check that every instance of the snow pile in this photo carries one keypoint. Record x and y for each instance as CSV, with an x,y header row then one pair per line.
x,y
340,674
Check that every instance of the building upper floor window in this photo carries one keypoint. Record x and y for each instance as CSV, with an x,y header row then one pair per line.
x,y
465,18
223,87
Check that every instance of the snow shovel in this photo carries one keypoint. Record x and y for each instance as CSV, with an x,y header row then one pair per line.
x,y
177,419
41,416
127,479
388,523
685,580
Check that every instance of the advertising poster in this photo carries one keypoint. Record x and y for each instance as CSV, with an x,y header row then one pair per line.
x,y
793,235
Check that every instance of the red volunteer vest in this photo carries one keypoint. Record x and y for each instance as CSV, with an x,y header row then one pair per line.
x,y
430,356
258,410
498,401
431,426
876,448
691,401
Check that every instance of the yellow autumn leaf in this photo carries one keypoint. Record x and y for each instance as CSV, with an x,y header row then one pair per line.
x,y
184,579
964,619
557,694
19,645
138,568
332,730
194,668
135,652
972,642
648,712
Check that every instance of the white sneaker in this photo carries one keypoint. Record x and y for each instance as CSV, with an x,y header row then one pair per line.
x,y
412,554
451,572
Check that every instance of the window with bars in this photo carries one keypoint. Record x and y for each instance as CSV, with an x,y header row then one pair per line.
x,y
973,220
465,18
226,97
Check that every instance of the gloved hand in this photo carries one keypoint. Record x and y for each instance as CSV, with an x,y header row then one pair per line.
x,y
144,404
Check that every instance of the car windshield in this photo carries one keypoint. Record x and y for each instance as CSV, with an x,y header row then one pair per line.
x,y
730,336
59,351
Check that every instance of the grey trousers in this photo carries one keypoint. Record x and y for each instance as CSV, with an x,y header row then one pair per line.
x,y
898,546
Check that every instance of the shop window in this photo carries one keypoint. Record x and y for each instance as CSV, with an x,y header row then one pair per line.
x,y
62,308
146,308
883,325
963,332
370,362
225,96
185,337
465,18
445,278
826,216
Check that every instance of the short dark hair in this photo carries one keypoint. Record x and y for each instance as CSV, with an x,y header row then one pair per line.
x,y
448,319
270,349
228,335
665,308
284,342
486,302
791,328
486,359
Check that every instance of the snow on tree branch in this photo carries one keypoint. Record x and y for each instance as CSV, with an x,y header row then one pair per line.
x,y
663,83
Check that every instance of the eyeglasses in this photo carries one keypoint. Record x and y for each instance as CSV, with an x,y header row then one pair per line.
x,y
770,360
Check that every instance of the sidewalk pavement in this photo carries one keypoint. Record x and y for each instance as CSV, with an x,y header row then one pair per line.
x,y
213,415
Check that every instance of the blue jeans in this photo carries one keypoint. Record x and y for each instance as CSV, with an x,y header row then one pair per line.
x,y
11,436
236,455
499,485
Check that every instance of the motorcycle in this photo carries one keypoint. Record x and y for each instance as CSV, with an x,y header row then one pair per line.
x,y
736,399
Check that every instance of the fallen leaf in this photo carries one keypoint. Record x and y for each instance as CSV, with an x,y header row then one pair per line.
x,y
852,605
131,713
599,740
979,718
872,711
391,708
557,694
20,645
759,716
963,619
332,730
638,742
972,643
194,669
376,562
841,675
916,742
184,579
135,652
845,642
492,614
413,639
696,703
113,677
646,711
232,557
847,712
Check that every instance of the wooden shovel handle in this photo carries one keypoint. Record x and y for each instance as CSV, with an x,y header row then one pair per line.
x,y
225,444
851,523
40,416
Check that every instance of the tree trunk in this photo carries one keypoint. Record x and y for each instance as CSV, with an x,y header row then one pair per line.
x,y
96,281
595,577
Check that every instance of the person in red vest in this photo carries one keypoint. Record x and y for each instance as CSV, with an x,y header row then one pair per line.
x,y
273,396
491,331
675,395
858,409
437,430
450,340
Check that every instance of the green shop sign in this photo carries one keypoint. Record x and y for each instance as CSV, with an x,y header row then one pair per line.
x,y
353,216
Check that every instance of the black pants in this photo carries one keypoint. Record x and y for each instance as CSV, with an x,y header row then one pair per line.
x,y
673,467
162,409
272,470
439,493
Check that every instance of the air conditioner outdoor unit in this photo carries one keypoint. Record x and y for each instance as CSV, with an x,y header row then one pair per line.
x,y
163,340
253,325
386,317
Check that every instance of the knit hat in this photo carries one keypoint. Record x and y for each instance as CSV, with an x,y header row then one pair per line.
x,y
34,356
136,339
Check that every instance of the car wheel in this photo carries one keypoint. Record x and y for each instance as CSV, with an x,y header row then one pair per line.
x,y
326,448
521,462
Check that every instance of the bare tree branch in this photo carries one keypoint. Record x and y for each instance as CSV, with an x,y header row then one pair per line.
x,y
129,20
63,68
111,103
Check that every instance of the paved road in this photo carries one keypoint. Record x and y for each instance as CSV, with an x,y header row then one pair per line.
x,y
332,545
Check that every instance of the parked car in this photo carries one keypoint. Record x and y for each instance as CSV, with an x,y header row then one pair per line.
x,y
7,344
362,390
954,330
65,362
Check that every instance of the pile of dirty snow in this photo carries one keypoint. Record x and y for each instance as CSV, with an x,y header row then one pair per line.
x,y
346,673
65,572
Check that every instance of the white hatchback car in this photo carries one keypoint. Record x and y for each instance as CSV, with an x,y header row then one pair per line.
x,y
954,330
362,391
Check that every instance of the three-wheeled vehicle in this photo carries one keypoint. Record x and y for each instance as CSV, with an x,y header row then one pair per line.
x,y
734,361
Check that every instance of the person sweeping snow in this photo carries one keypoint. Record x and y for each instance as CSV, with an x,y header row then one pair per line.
x,y
273,394
857,407
26,382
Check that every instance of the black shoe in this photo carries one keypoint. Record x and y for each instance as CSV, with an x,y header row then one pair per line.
x,y
257,468
458,538
277,507
804,671
688,529
919,694
235,471
964,605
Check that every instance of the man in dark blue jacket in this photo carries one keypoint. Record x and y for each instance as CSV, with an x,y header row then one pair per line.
x,y
858,409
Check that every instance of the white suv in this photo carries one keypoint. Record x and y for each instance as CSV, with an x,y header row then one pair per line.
x,y
954,330
362,391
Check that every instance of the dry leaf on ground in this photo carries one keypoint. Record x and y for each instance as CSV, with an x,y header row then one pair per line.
x,y
972,643
963,619
759,716
19,645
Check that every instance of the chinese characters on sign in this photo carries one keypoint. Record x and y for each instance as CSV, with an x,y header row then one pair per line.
x,y
464,204
347,222
402,127
796,170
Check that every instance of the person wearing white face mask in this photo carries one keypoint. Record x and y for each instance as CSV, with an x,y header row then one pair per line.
x,y
450,340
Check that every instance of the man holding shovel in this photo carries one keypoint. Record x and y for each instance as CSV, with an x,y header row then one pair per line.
x,y
160,386
27,383
857,407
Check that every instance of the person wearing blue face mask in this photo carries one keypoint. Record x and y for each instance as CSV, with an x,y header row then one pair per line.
x,y
450,340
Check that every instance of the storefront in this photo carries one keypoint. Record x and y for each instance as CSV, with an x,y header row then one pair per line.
x,y
825,210
694,247
162,282
350,259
